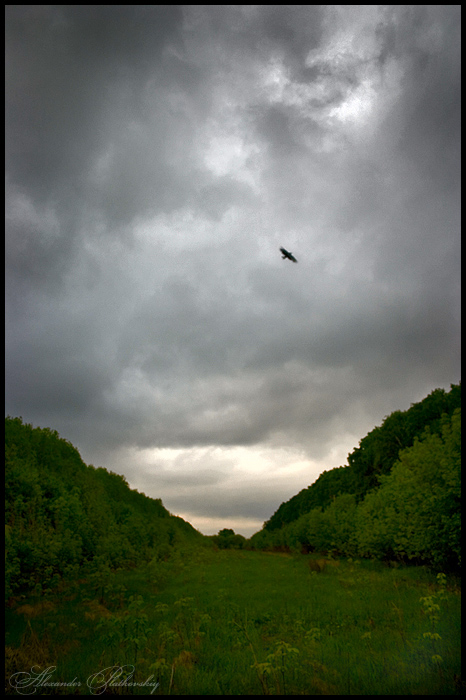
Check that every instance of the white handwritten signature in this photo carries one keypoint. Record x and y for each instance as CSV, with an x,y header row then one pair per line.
x,y
27,683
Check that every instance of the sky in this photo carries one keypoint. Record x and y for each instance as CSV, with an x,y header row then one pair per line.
x,y
157,158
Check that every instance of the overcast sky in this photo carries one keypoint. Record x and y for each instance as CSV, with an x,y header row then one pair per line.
x,y
157,157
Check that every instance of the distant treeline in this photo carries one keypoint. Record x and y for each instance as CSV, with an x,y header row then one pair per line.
x,y
64,518
398,498
227,539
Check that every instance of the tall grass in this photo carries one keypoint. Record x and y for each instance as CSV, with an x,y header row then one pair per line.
x,y
241,623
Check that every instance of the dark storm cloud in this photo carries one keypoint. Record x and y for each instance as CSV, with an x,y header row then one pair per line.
x,y
75,82
157,157
69,67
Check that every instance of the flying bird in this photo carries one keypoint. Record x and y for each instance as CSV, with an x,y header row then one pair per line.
x,y
286,254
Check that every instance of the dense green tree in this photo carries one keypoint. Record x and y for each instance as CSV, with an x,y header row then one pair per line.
x,y
261,539
340,524
319,495
317,532
62,516
374,457
227,539
399,496
379,450
415,514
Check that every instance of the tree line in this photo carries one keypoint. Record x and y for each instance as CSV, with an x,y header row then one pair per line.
x,y
64,518
398,497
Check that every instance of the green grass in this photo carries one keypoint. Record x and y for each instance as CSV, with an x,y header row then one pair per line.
x,y
241,623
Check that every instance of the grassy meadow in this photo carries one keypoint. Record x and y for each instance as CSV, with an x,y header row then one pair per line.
x,y
236,622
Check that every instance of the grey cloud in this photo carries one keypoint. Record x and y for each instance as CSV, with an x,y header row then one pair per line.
x,y
231,504
184,480
155,163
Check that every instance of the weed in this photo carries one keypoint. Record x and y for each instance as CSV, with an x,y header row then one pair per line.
x,y
431,608
226,624
283,659
261,669
32,652
127,632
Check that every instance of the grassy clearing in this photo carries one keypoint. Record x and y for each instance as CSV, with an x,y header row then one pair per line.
x,y
241,623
